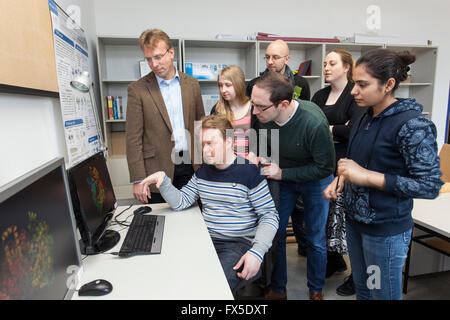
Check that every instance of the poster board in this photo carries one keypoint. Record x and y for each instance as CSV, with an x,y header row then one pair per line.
x,y
27,58
80,119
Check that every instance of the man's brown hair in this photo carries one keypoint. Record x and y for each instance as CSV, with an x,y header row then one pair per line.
x,y
279,86
219,122
149,38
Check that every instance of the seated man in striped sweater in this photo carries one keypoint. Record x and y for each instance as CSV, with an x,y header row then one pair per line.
x,y
237,205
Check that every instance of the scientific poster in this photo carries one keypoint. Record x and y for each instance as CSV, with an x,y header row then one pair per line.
x,y
72,58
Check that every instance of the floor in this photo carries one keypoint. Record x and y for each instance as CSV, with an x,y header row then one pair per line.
x,y
426,287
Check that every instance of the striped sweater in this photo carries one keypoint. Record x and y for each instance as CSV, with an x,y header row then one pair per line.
x,y
236,203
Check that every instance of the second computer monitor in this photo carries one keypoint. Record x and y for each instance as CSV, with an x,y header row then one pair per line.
x,y
94,203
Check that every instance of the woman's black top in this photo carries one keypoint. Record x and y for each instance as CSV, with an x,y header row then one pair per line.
x,y
344,110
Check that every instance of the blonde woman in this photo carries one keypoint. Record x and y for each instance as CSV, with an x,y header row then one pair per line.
x,y
236,106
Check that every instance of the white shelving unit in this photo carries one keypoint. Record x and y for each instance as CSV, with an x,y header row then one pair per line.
x,y
230,52
298,53
118,61
423,73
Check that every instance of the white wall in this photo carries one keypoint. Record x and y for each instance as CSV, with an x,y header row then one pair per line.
x,y
320,18
31,129
29,133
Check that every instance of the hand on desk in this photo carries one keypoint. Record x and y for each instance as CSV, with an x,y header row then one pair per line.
x,y
251,266
138,193
141,190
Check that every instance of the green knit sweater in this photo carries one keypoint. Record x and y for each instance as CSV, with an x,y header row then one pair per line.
x,y
306,150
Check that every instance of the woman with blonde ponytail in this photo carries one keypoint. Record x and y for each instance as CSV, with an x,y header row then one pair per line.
x,y
236,106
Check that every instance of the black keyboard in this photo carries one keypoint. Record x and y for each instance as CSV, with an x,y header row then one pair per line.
x,y
144,236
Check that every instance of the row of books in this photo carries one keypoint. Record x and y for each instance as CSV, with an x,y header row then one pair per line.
x,y
114,107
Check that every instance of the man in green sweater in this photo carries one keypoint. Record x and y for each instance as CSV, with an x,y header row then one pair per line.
x,y
306,163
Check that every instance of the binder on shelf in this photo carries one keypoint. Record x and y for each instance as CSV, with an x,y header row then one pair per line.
x,y
119,107
109,101
116,116
305,68
205,71
209,100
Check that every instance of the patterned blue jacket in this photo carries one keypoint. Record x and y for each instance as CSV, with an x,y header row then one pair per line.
x,y
401,143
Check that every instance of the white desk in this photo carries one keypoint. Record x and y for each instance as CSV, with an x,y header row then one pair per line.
x,y
187,268
432,217
433,214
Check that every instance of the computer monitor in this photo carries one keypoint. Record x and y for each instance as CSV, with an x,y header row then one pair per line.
x,y
39,252
94,203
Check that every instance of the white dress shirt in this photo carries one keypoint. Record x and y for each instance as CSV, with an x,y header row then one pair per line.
x,y
171,92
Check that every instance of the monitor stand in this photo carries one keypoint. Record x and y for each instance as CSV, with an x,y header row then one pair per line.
x,y
108,240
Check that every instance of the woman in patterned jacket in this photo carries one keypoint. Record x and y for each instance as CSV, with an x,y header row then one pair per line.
x,y
392,158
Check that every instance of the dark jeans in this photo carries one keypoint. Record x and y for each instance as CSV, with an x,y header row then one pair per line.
x,y
298,223
316,213
230,252
297,216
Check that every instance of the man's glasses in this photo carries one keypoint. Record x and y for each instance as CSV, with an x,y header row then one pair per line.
x,y
157,58
262,108
267,57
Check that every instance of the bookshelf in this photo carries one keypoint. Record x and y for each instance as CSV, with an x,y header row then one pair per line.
x,y
241,53
118,62
229,52
423,72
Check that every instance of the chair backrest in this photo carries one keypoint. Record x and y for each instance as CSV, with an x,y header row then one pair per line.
x,y
444,155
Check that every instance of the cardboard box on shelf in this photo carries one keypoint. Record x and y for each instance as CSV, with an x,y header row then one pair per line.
x,y
203,71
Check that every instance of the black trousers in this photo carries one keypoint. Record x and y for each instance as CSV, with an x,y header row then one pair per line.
x,y
182,174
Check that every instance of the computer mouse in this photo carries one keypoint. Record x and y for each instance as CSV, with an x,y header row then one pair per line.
x,y
143,210
98,287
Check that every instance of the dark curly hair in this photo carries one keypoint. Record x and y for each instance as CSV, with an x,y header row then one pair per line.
x,y
384,64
